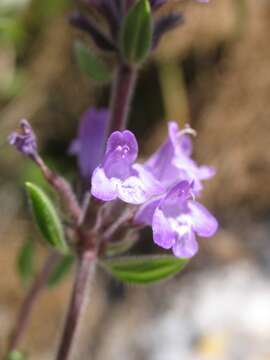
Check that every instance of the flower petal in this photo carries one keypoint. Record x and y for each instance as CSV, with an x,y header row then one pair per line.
x,y
163,235
175,201
89,144
102,187
131,191
180,140
185,145
146,212
152,186
121,152
123,139
140,187
203,222
159,163
186,245
206,172
74,147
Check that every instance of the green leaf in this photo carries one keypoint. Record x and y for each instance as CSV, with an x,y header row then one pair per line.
x,y
61,270
15,355
25,261
136,32
119,247
90,64
46,218
144,269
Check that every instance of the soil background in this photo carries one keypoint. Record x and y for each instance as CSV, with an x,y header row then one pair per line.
x,y
213,72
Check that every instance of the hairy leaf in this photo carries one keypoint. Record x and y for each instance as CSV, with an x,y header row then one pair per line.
x,y
144,269
46,218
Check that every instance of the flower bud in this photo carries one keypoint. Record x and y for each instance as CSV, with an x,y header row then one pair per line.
x,y
24,140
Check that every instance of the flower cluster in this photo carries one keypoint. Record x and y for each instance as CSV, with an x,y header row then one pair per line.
x,y
164,187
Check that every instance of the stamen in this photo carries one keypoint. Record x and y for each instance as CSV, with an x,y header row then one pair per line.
x,y
187,131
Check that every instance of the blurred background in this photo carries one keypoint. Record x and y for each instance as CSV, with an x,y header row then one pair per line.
x,y
214,72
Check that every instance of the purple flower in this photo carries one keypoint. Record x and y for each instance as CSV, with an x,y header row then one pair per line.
x,y
176,219
24,140
172,162
90,143
119,177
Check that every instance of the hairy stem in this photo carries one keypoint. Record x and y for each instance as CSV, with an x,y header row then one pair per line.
x,y
30,299
63,188
79,297
122,91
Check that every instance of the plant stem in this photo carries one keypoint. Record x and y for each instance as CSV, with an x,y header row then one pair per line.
x,y
85,272
30,299
122,91
63,188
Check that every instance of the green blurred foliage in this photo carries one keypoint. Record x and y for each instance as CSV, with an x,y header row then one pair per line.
x,y
90,64
20,22
61,270
25,262
16,355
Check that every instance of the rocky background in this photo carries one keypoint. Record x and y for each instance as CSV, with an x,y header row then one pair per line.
x,y
213,72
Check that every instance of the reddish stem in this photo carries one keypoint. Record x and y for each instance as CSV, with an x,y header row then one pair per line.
x,y
31,297
63,188
80,294
121,96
